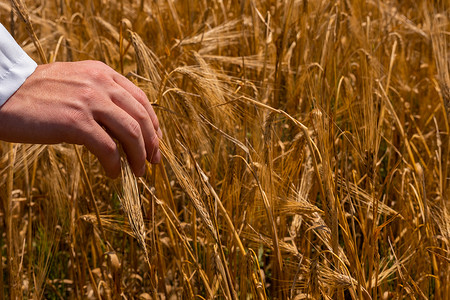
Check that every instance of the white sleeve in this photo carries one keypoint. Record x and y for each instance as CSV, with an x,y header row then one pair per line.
x,y
15,65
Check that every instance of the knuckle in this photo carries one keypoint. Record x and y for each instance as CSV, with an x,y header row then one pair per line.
x,y
109,149
141,116
111,158
155,142
97,74
104,68
76,114
134,129
95,63
140,93
156,124
77,117
88,92
86,135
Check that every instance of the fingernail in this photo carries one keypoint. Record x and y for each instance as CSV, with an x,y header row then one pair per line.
x,y
159,133
157,157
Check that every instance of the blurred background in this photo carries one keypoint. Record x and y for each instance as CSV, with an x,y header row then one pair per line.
x,y
306,154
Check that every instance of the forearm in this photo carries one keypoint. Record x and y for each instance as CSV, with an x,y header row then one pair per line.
x,y
15,66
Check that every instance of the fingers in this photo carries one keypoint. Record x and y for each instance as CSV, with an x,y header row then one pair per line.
x,y
102,145
136,110
128,131
140,96
130,118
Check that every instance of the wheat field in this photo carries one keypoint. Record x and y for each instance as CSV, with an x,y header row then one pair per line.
x,y
306,154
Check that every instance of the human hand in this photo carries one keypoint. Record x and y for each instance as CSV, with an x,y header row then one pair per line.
x,y
84,103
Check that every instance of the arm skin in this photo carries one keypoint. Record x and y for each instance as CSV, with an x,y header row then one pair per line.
x,y
84,103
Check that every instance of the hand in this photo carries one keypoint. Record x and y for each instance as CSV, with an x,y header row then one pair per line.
x,y
84,103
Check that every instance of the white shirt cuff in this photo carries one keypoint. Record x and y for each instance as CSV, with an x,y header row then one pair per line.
x,y
15,65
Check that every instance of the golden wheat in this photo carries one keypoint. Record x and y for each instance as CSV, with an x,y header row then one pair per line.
x,y
306,154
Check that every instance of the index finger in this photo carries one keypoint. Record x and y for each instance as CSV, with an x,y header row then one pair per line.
x,y
140,96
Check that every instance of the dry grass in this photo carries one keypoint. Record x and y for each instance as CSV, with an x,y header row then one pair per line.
x,y
306,149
